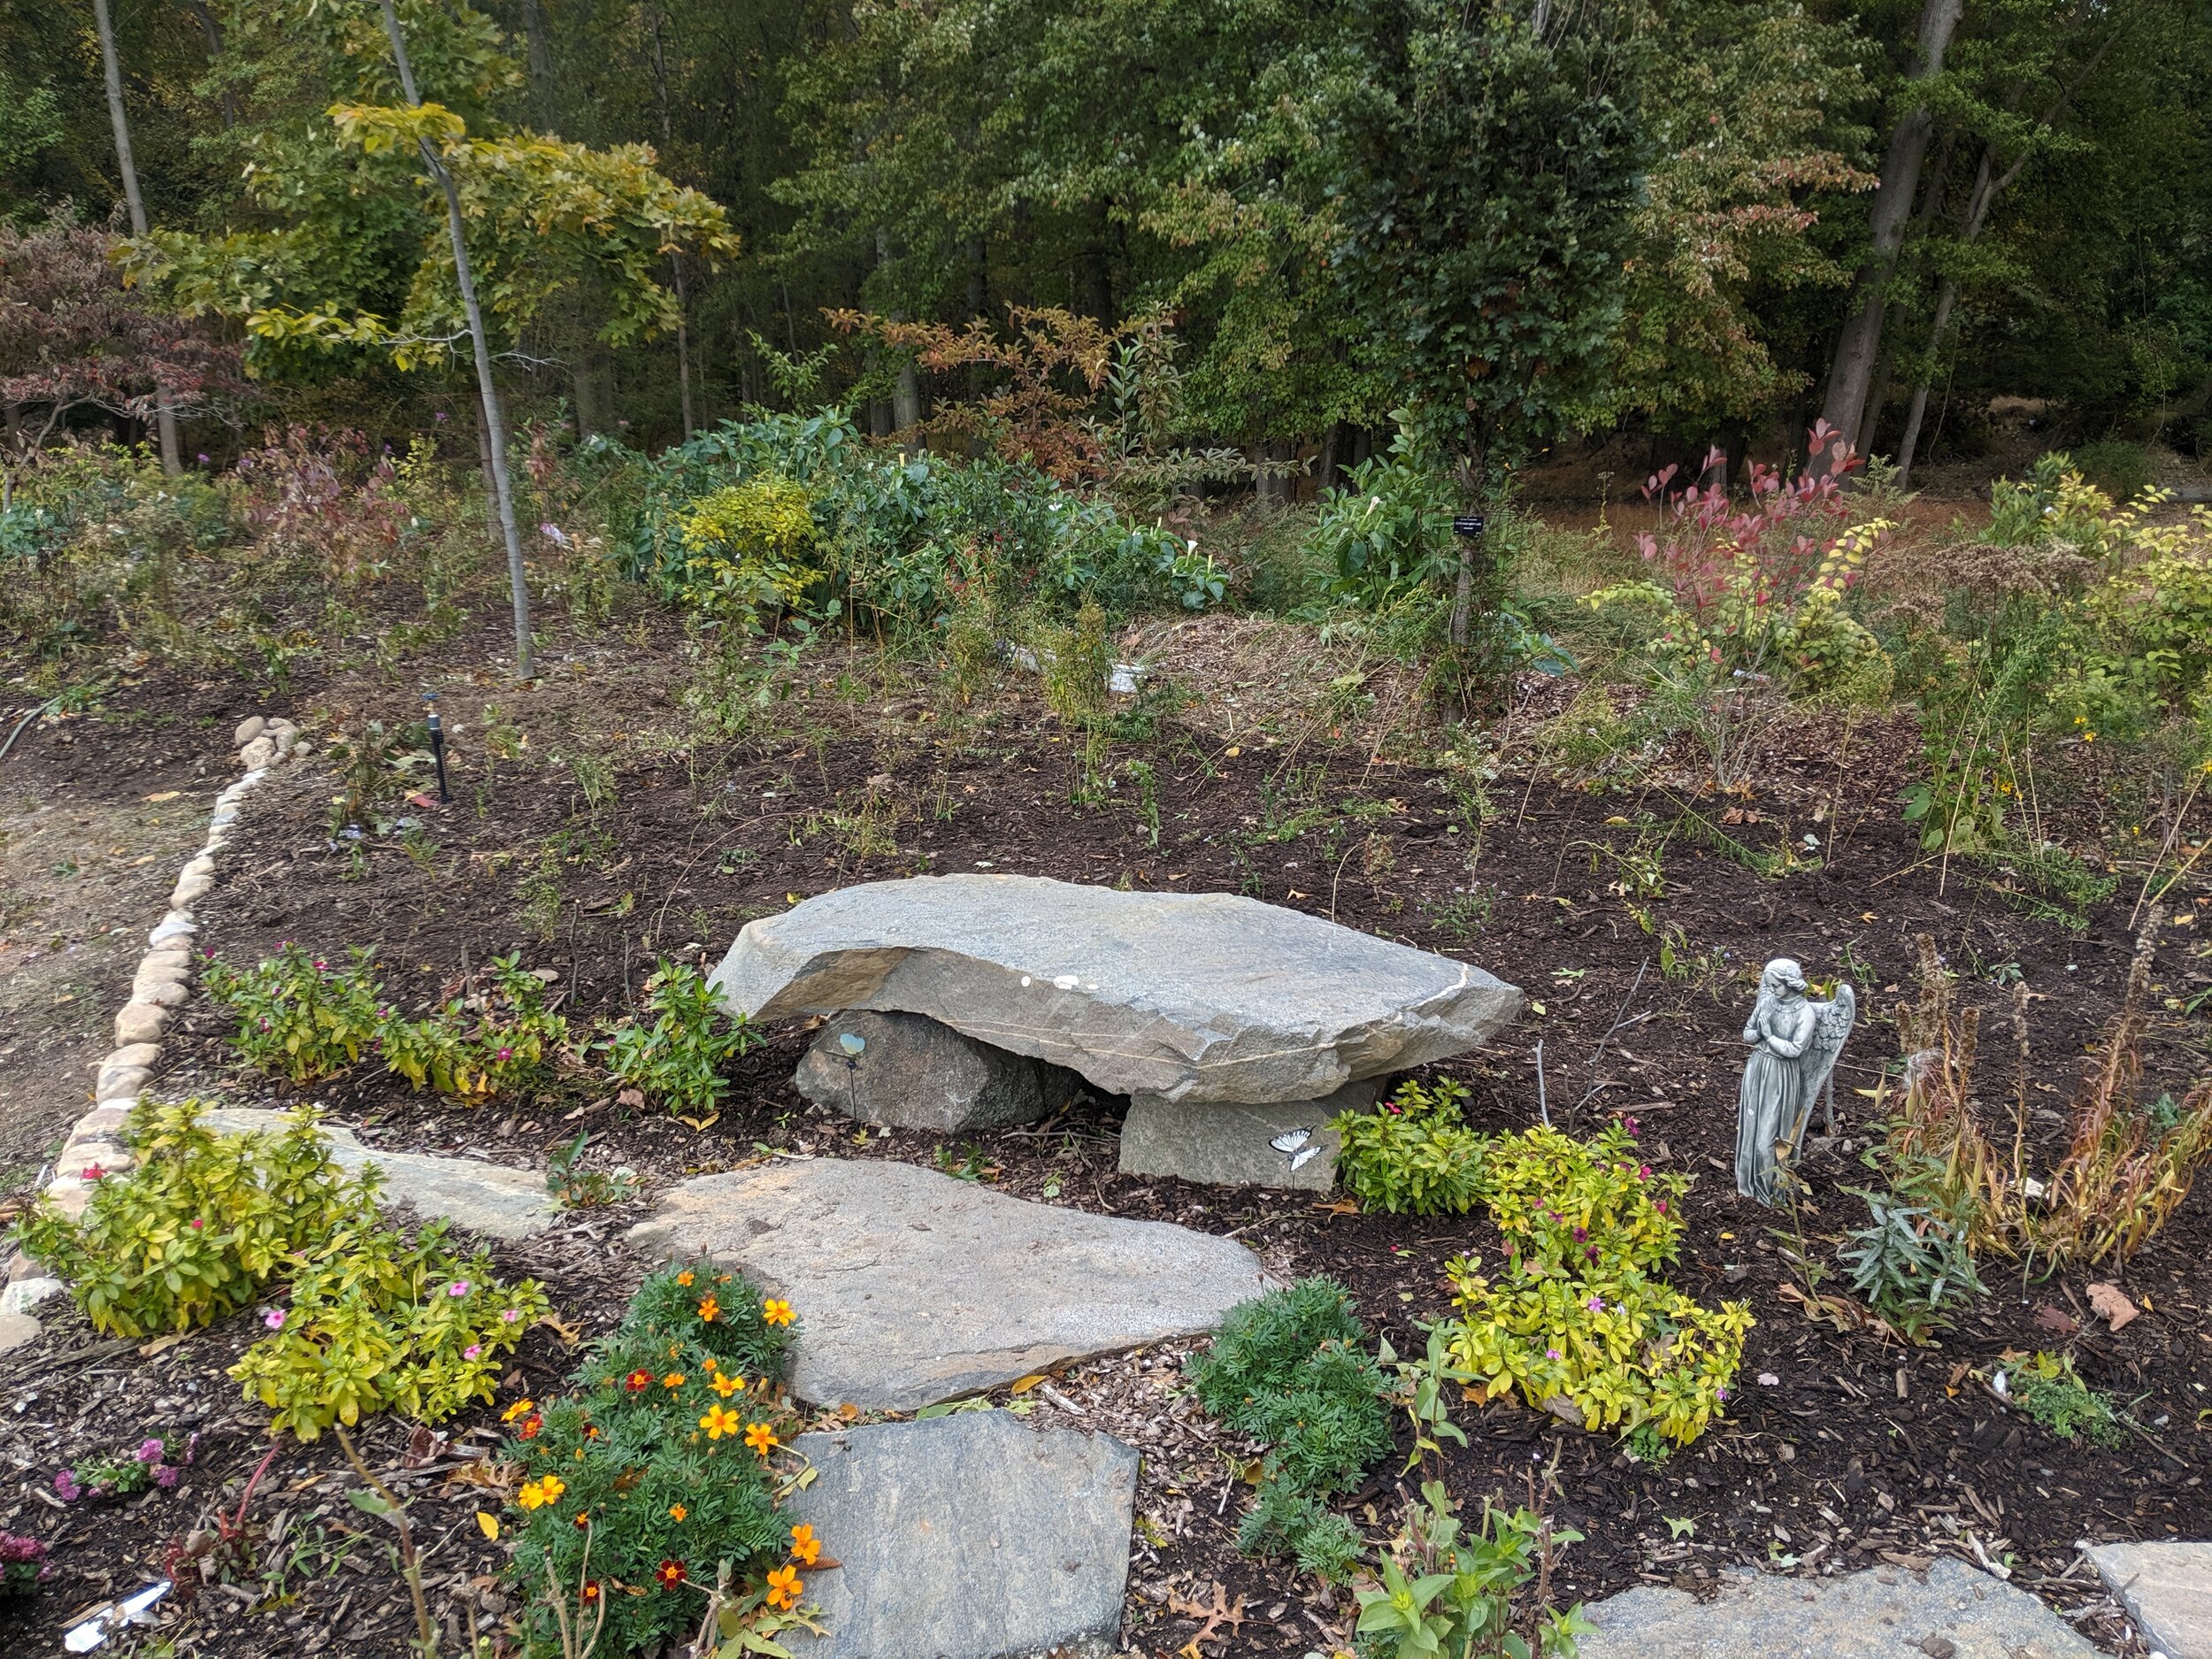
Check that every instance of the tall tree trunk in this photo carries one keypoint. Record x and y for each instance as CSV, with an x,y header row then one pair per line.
x,y
1472,467
1851,376
675,260
165,417
538,62
486,389
211,29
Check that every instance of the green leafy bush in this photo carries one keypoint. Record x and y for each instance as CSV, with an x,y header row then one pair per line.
x,y
677,1061
377,1321
497,1040
1579,1324
1289,1369
1911,1267
1449,1591
1413,1154
1388,530
298,1017
201,1223
662,1467
748,547
2046,1386
2120,469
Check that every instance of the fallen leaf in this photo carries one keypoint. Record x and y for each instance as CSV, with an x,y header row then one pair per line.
x,y
570,1334
488,1525
702,1124
2054,1318
1341,1207
166,795
162,1344
1023,1385
2109,1303
419,799
632,1097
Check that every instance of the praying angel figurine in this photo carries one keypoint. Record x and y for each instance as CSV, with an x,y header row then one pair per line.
x,y
1794,1042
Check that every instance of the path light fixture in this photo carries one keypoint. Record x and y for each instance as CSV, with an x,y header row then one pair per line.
x,y
437,743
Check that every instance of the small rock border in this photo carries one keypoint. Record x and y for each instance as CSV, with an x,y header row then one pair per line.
x,y
162,986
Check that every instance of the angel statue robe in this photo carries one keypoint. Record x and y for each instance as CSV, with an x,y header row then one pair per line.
x,y
1793,1047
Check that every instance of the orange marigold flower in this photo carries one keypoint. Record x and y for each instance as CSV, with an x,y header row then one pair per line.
x,y
530,1426
669,1572
720,1420
638,1381
590,1592
677,1512
674,1379
783,1588
759,1436
805,1548
707,1309
684,1278
521,1407
726,1384
776,1311
536,1494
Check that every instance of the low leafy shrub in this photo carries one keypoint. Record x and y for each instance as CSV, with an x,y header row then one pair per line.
x,y
1449,1590
1289,1369
1414,1153
201,1223
1388,530
2120,469
1286,1521
298,1017
496,1040
747,547
677,1061
2046,1386
1579,1324
379,1321
660,1471
1911,1267
158,1461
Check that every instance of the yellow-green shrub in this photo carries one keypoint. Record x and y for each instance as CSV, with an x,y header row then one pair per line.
x,y
747,546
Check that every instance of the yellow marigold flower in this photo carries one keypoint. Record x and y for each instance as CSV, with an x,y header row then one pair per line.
x,y
759,1436
677,1512
720,1420
521,1407
805,1548
783,1588
684,1278
707,1309
776,1311
726,1384
537,1493
674,1379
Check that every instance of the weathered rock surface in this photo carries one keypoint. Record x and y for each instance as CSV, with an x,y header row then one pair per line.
x,y
16,1329
913,1288
2166,1590
1287,1146
492,1199
1882,1613
1189,996
967,1537
911,1073
140,1022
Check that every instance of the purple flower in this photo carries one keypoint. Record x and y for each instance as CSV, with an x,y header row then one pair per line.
x,y
1720,1393
65,1487
439,416
458,1287
1581,1234
1596,1305
149,1450
191,1446
506,1054
204,457
273,1318
1551,1353
165,1477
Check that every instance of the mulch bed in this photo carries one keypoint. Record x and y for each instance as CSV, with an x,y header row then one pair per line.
x,y
1859,1452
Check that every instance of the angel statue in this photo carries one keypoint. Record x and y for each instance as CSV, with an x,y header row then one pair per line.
x,y
1794,1042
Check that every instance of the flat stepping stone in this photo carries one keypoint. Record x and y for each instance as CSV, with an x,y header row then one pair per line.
x,y
1952,1611
2166,1590
493,1199
913,1288
967,1537
1193,997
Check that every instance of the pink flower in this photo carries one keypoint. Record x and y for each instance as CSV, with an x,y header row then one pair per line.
x,y
506,1054
273,1318
1643,1172
458,1287
1551,1353
198,1224
1596,1305
165,1476
510,1315
1661,1206
1631,1125
65,1487
472,1350
149,1450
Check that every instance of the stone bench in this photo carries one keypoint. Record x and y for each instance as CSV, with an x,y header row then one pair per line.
x,y
1234,1028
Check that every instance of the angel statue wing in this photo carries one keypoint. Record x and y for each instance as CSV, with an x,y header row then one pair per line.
x,y
1832,1024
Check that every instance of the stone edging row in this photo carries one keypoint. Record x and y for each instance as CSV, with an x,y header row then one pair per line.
x,y
162,985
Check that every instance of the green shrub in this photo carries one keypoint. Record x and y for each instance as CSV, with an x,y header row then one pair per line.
x,y
1388,530
747,546
298,1017
1911,1267
1413,1154
677,1061
199,1226
1289,1369
2046,1386
2120,469
498,1041
642,1481
1446,1592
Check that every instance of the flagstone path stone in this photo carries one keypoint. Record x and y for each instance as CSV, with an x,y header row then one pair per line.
x,y
2167,1589
1189,996
970,1536
493,1199
913,1288
1952,1611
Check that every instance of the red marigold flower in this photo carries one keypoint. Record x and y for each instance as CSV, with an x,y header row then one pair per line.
x,y
638,1381
669,1572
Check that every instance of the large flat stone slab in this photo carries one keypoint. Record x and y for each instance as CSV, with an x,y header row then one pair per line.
x,y
493,1199
913,1288
2166,1590
1288,1146
1881,1613
967,1537
1190,996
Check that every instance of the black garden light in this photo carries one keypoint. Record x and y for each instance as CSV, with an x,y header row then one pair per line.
x,y
437,742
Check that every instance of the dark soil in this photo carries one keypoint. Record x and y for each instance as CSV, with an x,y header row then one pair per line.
x,y
1858,1451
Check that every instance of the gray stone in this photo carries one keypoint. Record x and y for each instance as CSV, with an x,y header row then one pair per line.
x,y
967,1537
913,1288
911,1073
258,754
248,729
2167,1589
23,1294
190,887
1192,996
140,1022
1880,1613
121,1083
1287,1146
493,1199
16,1329
174,928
